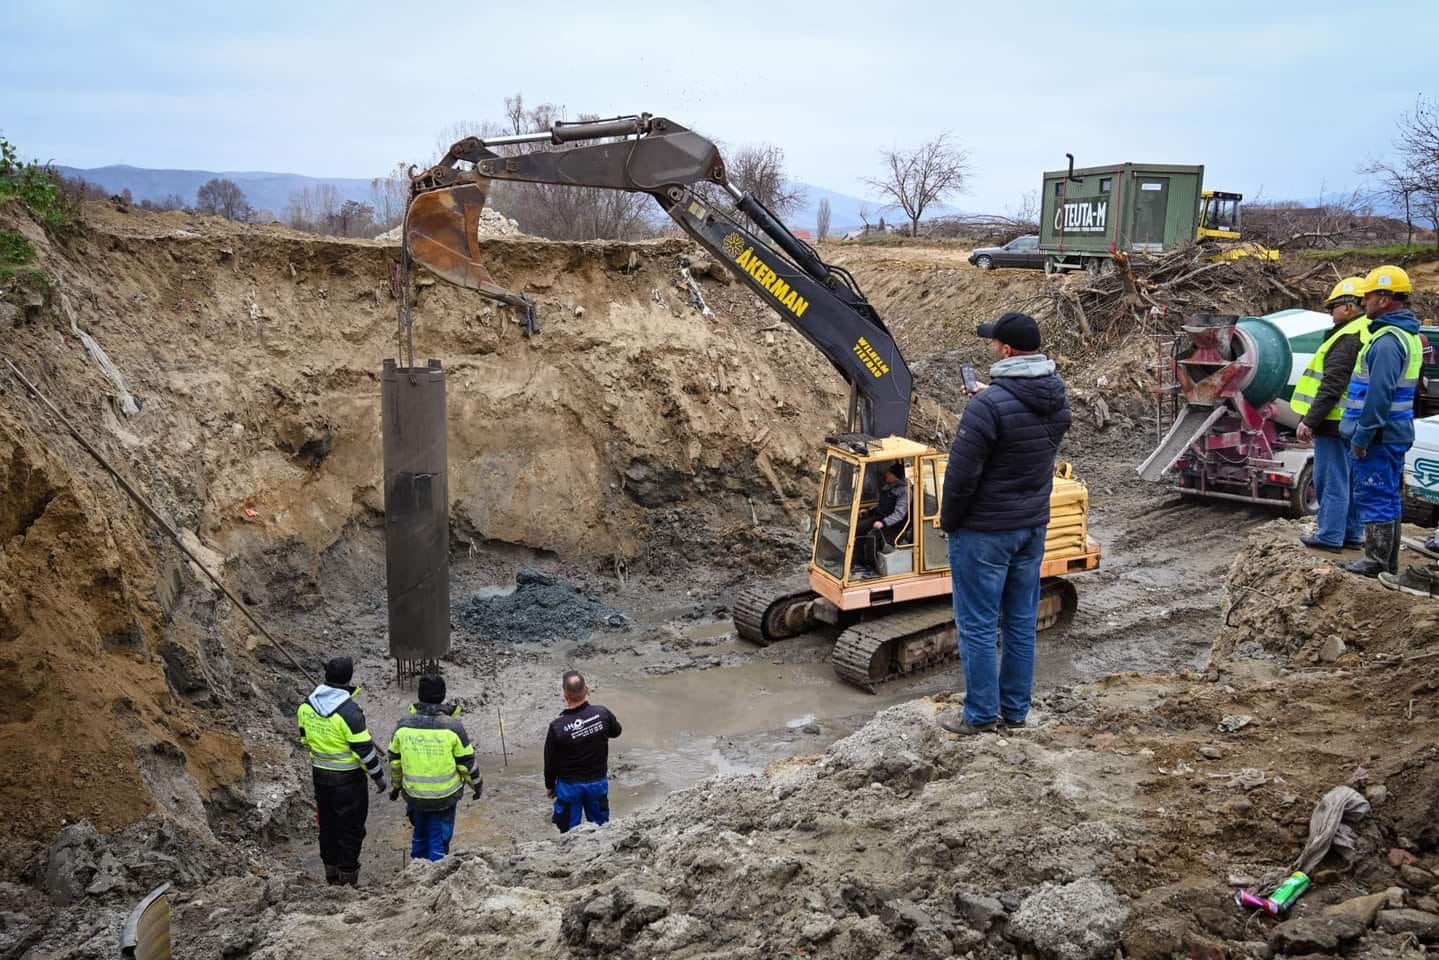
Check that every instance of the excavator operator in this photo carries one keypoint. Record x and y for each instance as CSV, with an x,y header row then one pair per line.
x,y
882,524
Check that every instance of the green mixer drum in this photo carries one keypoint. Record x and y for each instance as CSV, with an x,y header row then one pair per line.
x,y
1273,365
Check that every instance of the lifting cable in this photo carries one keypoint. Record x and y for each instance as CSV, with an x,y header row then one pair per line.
x,y
154,515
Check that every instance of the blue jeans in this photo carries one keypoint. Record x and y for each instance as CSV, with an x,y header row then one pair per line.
x,y
996,588
1378,479
432,833
1338,519
573,799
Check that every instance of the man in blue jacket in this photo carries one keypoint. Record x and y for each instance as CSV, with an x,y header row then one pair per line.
x,y
995,511
1379,416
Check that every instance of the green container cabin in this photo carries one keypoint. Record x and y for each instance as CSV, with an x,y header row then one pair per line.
x,y
1134,207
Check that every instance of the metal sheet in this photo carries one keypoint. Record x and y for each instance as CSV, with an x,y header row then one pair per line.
x,y
417,516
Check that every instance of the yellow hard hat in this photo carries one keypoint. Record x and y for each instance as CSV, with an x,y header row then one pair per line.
x,y
1348,287
1387,279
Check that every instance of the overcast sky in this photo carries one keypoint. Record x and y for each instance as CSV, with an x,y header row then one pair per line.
x,y
1283,97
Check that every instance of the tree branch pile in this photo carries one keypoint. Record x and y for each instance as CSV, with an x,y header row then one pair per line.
x,y
1163,291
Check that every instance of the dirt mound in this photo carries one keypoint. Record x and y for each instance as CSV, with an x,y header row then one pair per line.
x,y
542,609
1286,602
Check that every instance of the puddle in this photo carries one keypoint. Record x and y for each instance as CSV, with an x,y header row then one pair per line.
x,y
709,631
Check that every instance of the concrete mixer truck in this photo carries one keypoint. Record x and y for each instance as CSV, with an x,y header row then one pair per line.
x,y
1232,433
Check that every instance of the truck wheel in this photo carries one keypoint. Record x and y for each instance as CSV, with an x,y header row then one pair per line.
x,y
1305,502
1093,267
1051,266
984,263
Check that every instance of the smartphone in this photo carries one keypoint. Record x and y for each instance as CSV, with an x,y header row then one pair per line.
x,y
971,385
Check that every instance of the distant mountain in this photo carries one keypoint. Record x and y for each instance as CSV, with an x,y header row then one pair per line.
x,y
271,191
264,191
844,211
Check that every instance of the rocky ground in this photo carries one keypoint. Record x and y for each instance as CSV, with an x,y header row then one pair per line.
x,y
615,480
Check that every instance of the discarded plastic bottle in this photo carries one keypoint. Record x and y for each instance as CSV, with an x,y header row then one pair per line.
x,y
1280,900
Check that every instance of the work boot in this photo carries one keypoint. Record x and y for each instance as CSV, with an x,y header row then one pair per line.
x,y
1314,543
1415,580
1396,542
954,722
1376,551
349,878
332,875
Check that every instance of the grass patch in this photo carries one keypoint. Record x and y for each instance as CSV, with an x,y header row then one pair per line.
x,y
36,186
16,272
1390,251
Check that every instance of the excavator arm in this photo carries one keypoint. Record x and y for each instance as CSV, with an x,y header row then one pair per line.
x,y
660,158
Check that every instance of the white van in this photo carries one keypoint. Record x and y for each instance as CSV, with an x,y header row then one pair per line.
x,y
1421,474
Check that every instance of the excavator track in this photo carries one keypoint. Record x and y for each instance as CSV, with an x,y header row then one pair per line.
x,y
762,617
920,637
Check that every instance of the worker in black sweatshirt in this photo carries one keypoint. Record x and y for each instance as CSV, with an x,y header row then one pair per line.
x,y
577,756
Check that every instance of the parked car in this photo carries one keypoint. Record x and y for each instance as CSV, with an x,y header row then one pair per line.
x,y
1019,252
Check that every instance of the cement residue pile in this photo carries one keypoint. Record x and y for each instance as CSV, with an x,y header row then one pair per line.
x,y
542,609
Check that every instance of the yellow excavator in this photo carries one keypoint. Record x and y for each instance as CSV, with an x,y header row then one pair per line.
x,y
894,608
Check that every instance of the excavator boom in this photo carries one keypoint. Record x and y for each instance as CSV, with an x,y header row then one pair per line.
x,y
668,162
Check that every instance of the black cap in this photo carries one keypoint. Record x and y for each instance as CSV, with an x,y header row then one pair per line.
x,y
338,671
895,467
1018,330
432,688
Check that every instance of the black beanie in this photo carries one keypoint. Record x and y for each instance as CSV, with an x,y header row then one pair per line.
x,y
338,671
432,688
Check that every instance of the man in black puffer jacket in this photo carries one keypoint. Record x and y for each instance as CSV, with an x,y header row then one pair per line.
x,y
995,511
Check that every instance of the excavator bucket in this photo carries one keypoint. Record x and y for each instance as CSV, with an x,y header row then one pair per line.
x,y
442,235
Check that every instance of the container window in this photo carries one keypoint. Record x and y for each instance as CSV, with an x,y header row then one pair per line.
x,y
1105,183
1059,188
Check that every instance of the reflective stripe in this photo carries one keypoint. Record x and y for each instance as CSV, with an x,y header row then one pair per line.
x,y
1401,404
414,779
330,756
1307,386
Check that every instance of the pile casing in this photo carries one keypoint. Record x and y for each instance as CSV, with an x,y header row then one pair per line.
x,y
417,510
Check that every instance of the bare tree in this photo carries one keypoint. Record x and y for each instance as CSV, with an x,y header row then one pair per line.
x,y
1027,213
1397,189
314,209
1418,145
390,196
917,178
353,219
759,170
223,197
821,219
1331,221
866,211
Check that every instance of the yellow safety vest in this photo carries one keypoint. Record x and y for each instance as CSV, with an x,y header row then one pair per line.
x,y
332,739
1307,388
431,757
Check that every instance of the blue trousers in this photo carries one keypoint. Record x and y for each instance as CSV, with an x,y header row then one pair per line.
x,y
1378,481
996,590
1338,520
432,833
591,799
